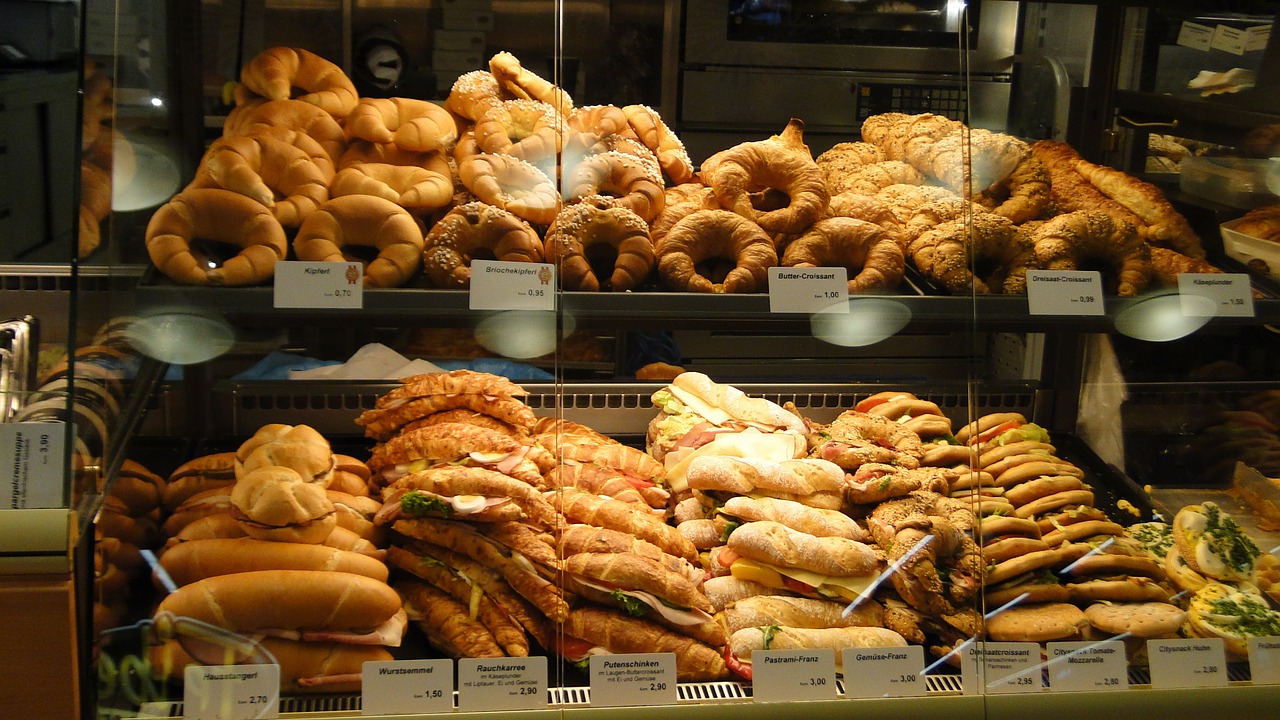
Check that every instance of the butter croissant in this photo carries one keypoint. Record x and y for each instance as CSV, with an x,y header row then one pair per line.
x,y
1165,225
716,234
866,249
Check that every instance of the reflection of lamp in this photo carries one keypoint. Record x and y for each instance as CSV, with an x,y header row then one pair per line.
x,y
867,321
521,333
181,336
152,178
1165,316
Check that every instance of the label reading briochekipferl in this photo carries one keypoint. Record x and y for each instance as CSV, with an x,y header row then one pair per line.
x,y
790,675
1087,666
321,285
1064,292
502,285
998,668
517,683
808,290
406,686
230,692
883,672
633,679
1187,663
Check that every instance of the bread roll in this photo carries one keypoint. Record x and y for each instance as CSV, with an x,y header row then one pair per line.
x,y
198,559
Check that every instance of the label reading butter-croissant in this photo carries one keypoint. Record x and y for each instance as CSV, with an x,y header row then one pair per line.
x,y
808,289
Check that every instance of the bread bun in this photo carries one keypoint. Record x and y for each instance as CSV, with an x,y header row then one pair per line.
x,y
298,447
1037,623
275,503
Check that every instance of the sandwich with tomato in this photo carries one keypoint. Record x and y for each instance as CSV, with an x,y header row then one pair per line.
x,y
996,429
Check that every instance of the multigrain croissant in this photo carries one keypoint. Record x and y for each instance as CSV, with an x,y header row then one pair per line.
x,y
1066,241
783,163
968,161
948,253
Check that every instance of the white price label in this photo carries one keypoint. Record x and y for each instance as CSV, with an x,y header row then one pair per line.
x,y
1264,660
502,684
1231,294
230,692
500,285
1087,666
1195,35
808,290
998,668
1187,663
406,686
884,672
790,675
1228,39
321,285
32,455
633,679
1064,292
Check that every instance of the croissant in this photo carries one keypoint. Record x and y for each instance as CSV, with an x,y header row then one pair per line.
x,y
872,178
782,163
221,216
862,247
1165,225
968,161
1028,192
894,133
1167,265
904,200
948,253
716,234
1068,191
1065,241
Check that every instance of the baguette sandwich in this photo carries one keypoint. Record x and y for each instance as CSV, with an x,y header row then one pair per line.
x,y
774,555
476,494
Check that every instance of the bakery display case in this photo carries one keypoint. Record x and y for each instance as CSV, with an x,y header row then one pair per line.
x,y
459,346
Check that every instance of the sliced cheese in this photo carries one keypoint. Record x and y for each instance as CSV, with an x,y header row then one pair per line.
x,y
700,406
845,588
771,447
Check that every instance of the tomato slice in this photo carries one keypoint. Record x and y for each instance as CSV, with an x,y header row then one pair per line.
x,y
869,403
571,648
736,666
725,556
996,431
796,586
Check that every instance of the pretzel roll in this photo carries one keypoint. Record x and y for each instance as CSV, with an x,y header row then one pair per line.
x,y
417,181
291,115
709,235
636,184
272,172
527,129
413,125
475,230
329,233
781,163
216,216
1067,241
473,93
513,185
863,248
649,129
598,233
276,73
520,82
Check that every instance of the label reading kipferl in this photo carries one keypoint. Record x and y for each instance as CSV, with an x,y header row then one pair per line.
x,y
631,680
321,285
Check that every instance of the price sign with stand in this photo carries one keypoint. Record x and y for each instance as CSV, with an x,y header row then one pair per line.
x,y
788,675
1064,292
884,672
633,679
230,692
1087,666
319,285
502,684
1231,294
501,285
32,452
406,686
808,290
1187,663
1264,660
1001,668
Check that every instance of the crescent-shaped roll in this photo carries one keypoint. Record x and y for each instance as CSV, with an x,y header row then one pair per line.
x,y
363,220
221,216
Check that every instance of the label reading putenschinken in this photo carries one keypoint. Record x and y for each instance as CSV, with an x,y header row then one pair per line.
x,y
633,679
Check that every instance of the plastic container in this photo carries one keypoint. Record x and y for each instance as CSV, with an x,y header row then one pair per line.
x,y
1237,182
1260,256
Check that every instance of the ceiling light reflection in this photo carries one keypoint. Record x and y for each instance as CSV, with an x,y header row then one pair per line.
x,y
1164,317
865,321
522,333
181,336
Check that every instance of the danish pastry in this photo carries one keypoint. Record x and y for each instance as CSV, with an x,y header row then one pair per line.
x,y
744,251
340,226
475,230
175,232
867,250
275,72
1068,241
598,235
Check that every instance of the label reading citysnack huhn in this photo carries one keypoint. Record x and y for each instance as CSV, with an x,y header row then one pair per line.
x,y
787,675
1064,292
502,684
884,672
808,290
406,686
499,285
1187,663
320,285
634,679
230,692
1087,666
1000,668
1264,660
31,457
1230,293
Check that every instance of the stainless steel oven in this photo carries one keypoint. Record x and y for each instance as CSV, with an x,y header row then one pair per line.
x,y
743,67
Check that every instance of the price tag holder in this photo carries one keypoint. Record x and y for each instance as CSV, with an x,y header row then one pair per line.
x,y
1087,666
1001,668
502,684
406,687
808,290
1187,663
319,285
32,455
230,692
793,675
884,672
1264,660
633,679
1230,293
1064,292
500,285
